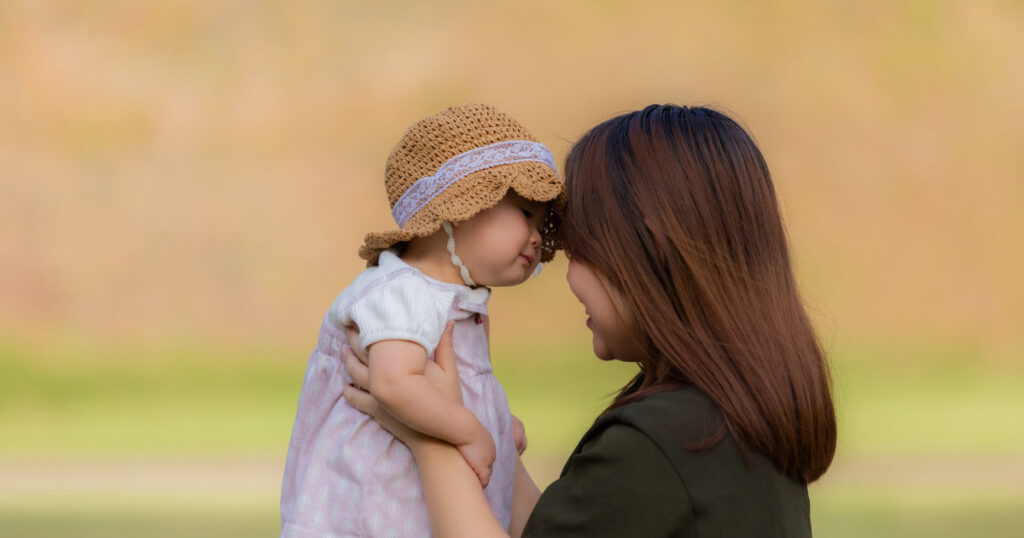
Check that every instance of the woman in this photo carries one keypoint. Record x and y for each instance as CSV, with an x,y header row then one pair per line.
x,y
677,250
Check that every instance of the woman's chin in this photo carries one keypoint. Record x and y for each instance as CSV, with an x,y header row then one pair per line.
x,y
602,352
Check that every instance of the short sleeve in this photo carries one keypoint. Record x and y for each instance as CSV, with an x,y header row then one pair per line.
x,y
403,308
619,484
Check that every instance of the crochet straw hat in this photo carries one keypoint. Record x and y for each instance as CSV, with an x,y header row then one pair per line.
x,y
433,142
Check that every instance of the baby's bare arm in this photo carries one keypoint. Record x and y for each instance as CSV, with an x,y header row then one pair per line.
x,y
397,382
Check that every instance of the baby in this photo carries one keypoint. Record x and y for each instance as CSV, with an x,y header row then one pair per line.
x,y
477,201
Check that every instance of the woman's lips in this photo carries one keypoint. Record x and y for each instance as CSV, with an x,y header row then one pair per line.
x,y
526,258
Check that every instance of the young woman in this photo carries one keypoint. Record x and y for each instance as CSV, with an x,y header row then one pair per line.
x,y
677,250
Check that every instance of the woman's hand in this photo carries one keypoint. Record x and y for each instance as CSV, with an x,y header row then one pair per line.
x,y
442,373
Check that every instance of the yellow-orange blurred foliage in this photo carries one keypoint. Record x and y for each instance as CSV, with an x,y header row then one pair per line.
x,y
207,170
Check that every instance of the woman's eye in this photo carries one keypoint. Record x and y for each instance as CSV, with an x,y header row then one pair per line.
x,y
528,213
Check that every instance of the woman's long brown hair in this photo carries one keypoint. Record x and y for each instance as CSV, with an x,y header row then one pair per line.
x,y
675,208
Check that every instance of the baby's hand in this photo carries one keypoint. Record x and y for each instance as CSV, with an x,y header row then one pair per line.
x,y
479,454
519,434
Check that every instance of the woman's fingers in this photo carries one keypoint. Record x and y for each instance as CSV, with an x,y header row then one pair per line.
x,y
445,353
361,400
352,337
443,373
365,402
356,370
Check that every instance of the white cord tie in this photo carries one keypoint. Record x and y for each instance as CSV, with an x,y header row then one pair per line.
x,y
455,257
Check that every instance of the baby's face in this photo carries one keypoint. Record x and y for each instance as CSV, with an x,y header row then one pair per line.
x,y
501,245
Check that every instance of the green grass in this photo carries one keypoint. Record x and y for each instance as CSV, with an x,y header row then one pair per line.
x,y
118,402
226,401
168,402
558,392
88,404
922,402
913,513
833,522
116,523
833,518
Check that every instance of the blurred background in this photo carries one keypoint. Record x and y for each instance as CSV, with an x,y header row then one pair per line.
x,y
184,185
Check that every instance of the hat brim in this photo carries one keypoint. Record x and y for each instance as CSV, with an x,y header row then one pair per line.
x,y
474,193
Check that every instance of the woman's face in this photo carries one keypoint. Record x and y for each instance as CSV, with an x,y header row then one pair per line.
x,y
603,320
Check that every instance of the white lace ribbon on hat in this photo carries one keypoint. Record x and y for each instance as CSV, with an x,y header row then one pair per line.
x,y
427,188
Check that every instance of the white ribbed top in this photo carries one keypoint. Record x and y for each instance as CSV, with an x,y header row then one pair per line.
x,y
408,305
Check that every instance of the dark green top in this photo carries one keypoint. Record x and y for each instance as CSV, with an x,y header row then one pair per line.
x,y
631,476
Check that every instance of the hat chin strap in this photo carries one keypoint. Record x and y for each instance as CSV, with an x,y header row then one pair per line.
x,y
455,257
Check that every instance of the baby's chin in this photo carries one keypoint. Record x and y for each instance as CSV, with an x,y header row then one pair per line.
x,y
509,281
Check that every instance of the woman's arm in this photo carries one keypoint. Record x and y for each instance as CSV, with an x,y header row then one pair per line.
x,y
454,498
525,495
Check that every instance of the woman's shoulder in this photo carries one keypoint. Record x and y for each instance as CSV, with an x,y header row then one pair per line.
x,y
640,459
614,485
685,414
731,486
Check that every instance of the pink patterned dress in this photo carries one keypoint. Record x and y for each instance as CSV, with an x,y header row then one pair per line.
x,y
347,476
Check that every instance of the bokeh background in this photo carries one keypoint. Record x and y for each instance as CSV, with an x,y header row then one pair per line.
x,y
184,185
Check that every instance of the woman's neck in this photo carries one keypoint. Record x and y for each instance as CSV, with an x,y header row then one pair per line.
x,y
430,255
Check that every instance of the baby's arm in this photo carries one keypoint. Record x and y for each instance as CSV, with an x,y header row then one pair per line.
x,y
397,382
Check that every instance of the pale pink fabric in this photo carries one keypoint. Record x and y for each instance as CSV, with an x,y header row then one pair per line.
x,y
346,476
